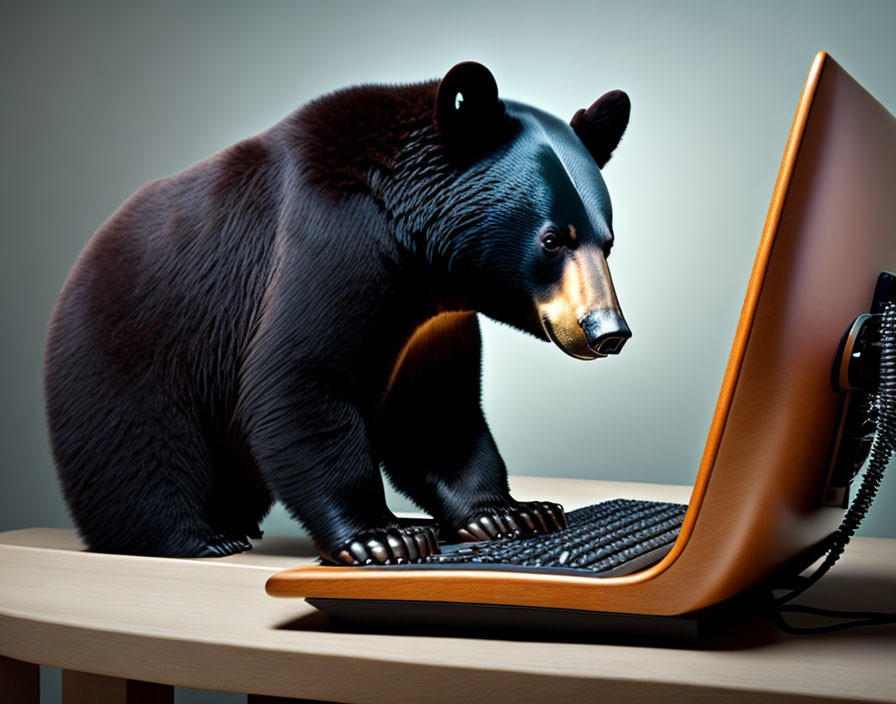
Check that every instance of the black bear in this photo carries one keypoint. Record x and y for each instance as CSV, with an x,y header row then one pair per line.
x,y
290,315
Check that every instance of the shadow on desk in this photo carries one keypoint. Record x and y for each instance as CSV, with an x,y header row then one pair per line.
x,y
209,624
740,625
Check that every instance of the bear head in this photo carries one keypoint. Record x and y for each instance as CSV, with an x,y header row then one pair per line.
x,y
528,213
503,203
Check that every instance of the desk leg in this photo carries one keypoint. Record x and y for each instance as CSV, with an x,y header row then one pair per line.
x,y
86,688
19,681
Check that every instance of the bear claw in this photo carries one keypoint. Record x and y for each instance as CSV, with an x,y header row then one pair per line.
x,y
224,544
527,518
395,546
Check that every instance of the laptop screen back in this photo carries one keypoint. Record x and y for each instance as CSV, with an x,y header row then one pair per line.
x,y
830,231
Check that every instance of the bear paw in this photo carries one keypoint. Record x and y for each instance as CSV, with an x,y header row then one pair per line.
x,y
395,546
527,518
224,544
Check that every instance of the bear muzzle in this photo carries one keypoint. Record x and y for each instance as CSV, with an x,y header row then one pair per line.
x,y
580,314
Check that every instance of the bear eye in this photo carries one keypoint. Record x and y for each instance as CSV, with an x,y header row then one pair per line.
x,y
551,242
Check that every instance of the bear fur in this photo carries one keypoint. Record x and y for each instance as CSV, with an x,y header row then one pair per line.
x,y
284,318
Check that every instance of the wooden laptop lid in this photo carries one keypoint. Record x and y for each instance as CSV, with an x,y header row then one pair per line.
x,y
830,230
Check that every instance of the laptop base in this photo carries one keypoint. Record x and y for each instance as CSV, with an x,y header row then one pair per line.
x,y
446,619
695,630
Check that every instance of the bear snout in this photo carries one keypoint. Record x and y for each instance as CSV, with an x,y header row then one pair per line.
x,y
580,312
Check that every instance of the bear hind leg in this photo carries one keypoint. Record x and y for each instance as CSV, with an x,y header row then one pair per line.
x,y
137,475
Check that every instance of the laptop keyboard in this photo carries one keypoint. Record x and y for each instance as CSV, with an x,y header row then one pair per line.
x,y
608,539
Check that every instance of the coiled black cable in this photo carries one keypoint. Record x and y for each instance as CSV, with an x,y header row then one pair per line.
x,y
881,452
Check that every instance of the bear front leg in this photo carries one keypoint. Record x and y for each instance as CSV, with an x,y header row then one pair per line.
x,y
311,445
435,443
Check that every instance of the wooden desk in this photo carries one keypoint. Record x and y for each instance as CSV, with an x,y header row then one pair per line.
x,y
209,624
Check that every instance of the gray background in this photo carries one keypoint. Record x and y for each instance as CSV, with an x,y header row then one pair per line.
x,y
99,98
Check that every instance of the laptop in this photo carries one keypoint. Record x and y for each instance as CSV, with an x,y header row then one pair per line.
x,y
766,499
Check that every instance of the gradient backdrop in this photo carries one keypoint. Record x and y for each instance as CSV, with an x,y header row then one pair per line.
x,y
99,98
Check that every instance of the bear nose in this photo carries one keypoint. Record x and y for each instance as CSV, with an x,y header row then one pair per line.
x,y
605,331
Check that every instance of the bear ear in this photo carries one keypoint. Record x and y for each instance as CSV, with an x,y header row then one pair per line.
x,y
467,105
601,126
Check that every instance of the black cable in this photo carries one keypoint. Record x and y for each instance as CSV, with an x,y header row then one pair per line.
x,y
881,619
804,609
881,452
